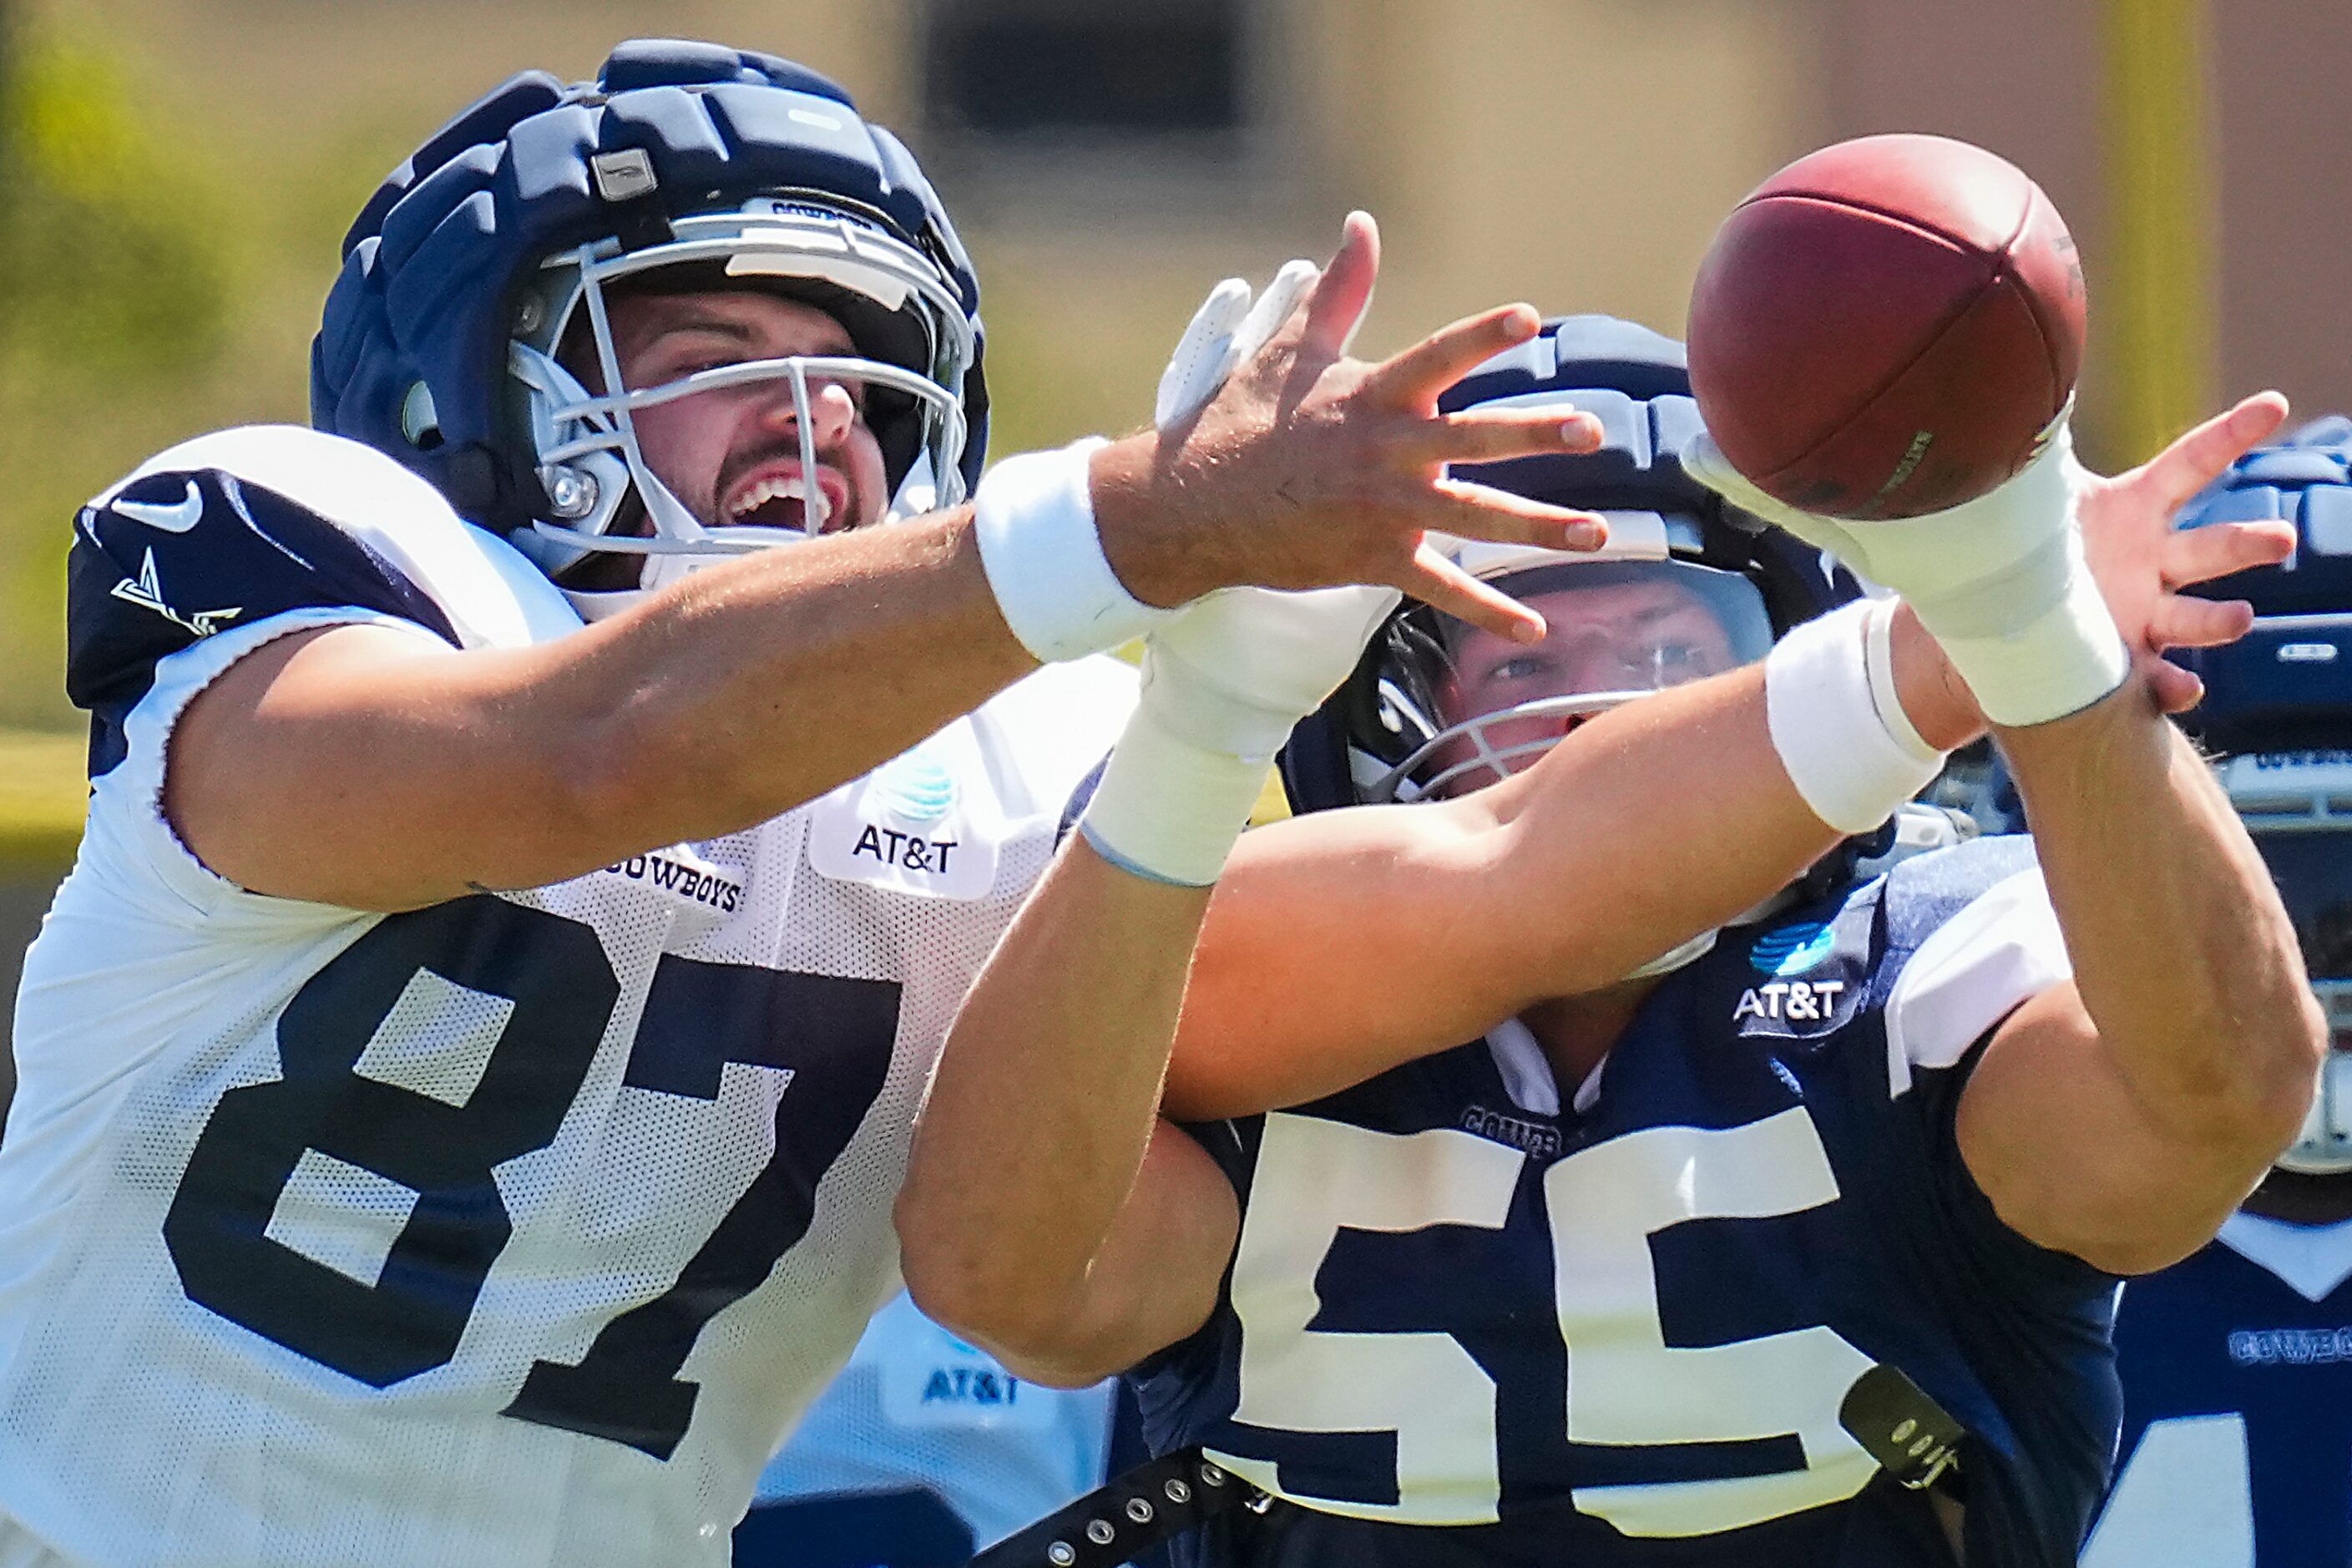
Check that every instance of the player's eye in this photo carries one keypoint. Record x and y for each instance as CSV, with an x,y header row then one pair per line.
x,y
1672,663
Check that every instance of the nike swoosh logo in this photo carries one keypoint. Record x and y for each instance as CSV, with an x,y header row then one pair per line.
x,y
177,517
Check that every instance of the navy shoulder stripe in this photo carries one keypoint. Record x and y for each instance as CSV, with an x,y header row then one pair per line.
x,y
178,555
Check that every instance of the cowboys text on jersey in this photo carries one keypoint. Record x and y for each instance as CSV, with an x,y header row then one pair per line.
x,y
522,1223
2237,1442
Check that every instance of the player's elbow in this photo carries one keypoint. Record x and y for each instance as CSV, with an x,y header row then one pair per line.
x,y
1020,1321
2239,1072
2281,1073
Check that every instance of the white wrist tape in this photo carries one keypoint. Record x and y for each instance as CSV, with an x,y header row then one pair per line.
x,y
1841,753
1033,516
1167,809
2044,666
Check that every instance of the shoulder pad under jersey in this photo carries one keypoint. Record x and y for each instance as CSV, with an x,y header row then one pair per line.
x,y
234,528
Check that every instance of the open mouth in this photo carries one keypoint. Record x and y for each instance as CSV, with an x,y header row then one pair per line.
x,y
782,498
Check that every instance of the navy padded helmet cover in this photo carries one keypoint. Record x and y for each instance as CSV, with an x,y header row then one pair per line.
x,y
429,263
1635,381
2278,688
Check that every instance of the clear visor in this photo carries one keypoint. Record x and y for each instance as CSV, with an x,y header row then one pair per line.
x,y
588,444
1617,630
2312,869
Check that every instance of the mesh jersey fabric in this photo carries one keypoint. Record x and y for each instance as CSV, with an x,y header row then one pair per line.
x,y
512,1230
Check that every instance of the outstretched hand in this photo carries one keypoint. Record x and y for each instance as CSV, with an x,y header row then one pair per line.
x,y
1306,468
2142,562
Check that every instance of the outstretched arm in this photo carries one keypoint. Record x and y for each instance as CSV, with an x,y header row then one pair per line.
x,y
762,683
1342,944
1358,939
2121,1117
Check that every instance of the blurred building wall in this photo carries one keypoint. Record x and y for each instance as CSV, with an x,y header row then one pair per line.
x,y
2282,80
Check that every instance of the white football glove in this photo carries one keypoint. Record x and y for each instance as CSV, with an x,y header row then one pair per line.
x,y
1034,514
1223,333
1223,683
2001,582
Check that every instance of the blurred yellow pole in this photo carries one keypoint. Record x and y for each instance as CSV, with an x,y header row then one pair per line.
x,y
2153,298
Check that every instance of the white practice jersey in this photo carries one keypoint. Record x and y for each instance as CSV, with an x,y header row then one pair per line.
x,y
514,1230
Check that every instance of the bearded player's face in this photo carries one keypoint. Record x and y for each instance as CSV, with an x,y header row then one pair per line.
x,y
732,455
1615,636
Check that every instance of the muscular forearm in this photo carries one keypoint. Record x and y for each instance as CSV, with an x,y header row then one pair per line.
x,y
752,687
1024,1223
787,674
1342,944
2183,956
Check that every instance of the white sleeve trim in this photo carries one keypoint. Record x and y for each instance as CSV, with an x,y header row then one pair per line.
x,y
127,802
2004,948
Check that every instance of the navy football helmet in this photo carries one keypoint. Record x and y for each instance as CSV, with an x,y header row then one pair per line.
x,y
1686,586
683,165
2277,714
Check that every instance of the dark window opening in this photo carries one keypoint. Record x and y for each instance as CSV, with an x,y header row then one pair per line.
x,y
1070,67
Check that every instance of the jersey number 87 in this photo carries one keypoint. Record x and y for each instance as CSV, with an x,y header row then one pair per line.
x,y
538,991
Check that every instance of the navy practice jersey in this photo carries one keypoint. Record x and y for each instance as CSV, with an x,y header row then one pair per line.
x,y
2237,1368
1589,1334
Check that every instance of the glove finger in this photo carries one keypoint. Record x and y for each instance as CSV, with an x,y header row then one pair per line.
x,y
1703,461
1312,639
1185,384
1274,308
1441,585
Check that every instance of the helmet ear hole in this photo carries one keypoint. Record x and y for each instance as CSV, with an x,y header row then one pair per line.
x,y
420,423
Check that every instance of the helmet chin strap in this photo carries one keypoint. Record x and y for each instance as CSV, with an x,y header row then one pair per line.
x,y
657,572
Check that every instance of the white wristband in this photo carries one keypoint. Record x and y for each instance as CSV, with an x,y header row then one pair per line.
x,y
1033,516
1878,662
1166,809
1841,753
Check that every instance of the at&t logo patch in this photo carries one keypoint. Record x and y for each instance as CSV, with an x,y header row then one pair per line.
x,y
1792,950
